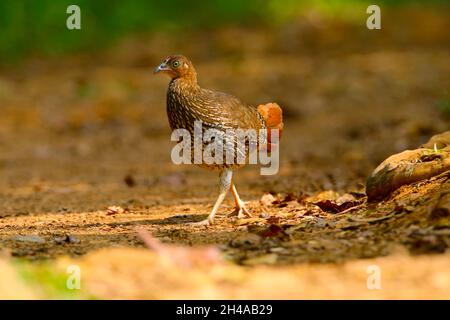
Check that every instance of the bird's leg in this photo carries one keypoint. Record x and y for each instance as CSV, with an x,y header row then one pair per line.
x,y
224,186
241,210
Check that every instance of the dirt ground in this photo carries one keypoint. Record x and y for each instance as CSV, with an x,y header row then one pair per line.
x,y
82,133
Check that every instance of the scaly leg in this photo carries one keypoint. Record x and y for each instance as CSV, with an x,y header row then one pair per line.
x,y
241,210
224,186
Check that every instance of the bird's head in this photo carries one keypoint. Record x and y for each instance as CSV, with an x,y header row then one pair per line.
x,y
177,66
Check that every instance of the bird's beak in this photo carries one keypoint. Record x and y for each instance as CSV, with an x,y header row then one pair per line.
x,y
162,67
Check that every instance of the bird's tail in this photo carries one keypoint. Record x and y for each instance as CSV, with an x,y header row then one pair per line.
x,y
273,115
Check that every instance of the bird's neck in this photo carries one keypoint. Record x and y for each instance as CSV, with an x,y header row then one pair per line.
x,y
184,85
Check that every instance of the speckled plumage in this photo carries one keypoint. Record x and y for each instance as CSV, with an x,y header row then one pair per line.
x,y
222,113
187,102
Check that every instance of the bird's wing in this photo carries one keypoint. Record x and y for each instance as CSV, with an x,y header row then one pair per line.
x,y
227,111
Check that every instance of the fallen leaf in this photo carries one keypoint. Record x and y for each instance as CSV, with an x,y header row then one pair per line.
x,y
242,222
273,231
333,207
273,220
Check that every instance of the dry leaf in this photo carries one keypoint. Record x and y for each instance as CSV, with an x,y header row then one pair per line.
x,y
243,222
333,207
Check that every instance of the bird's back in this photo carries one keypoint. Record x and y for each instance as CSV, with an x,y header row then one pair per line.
x,y
218,111
215,109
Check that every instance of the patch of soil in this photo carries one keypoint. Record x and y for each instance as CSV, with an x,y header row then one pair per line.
x,y
290,228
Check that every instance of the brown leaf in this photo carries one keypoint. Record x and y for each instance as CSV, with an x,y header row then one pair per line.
x,y
333,207
273,220
273,231
243,222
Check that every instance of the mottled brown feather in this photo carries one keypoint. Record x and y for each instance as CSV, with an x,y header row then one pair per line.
x,y
187,102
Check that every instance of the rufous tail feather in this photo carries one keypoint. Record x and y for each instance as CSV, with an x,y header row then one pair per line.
x,y
273,115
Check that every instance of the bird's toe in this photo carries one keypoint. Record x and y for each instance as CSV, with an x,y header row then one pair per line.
x,y
203,223
244,213
241,212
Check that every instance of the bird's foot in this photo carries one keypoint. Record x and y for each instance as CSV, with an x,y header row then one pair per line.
x,y
203,223
241,212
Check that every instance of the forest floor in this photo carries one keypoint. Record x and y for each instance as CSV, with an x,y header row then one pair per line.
x,y
89,132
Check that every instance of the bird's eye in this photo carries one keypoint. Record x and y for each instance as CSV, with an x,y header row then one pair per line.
x,y
176,64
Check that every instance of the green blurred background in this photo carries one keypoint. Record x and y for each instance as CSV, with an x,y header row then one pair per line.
x,y
39,26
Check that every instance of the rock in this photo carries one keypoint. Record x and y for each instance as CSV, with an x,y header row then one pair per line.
x,y
29,238
440,214
66,239
409,166
441,140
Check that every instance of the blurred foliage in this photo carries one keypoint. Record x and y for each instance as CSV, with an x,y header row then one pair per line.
x,y
39,26
44,280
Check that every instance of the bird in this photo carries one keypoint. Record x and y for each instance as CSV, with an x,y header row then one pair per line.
x,y
188,102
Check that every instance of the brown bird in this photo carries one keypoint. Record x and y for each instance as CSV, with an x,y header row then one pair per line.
x,y
187,102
